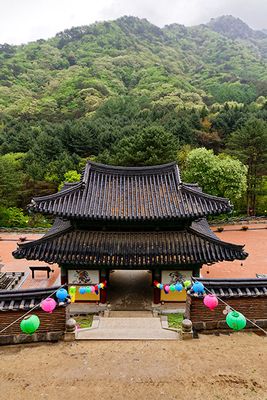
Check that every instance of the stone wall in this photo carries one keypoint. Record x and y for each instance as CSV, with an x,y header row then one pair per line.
x,y
205,320
52,326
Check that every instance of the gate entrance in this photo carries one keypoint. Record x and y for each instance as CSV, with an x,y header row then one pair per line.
x,y
130,290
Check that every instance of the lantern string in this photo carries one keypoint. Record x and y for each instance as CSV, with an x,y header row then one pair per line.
x,y
231,308
28,312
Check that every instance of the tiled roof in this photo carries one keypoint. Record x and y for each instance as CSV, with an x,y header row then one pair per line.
x,y
9,280
235,287
23,299
122,249
138,193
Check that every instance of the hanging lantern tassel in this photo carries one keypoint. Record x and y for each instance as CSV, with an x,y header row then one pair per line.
x,y
236,321
30,324
210,301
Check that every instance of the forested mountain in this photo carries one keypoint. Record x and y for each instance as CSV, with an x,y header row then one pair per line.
x,y
91,90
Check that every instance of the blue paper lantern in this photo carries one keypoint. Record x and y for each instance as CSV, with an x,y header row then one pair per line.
x,y
82,290
179,287
161,286
61,294
198,288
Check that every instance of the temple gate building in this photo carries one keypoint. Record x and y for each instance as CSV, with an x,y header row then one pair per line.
x,y
130,218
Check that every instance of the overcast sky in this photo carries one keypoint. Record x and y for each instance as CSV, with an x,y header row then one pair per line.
x,y
25,20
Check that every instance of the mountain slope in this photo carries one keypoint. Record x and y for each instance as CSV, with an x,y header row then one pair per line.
x,y
74,73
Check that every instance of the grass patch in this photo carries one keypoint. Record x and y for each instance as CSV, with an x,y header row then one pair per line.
x,y
84,321
175,320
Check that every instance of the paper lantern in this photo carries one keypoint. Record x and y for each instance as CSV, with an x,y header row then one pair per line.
x,y
102,285
158,285
72,290
172,288
155,283
179,287
62,294
96,289
210,301
198,287
161,286
166,289
92,289
88,289
82,290
187,284
30,324
236,321
48,305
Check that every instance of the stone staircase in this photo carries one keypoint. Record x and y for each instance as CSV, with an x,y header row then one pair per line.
x,y
127,325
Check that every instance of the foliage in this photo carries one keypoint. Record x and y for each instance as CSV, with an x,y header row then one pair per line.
x,y
10,178
218,175
175,320
70,176
125,92
13,217
149,147
249,144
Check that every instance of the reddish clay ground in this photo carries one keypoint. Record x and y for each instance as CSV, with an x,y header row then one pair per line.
x,y
255,240
8,243
211,368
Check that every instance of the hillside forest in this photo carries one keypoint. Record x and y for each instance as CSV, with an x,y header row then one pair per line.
x,y
127,92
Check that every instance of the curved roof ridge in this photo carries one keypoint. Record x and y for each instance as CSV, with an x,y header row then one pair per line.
x,y
70,189
203,194
214,240
145,168
48,236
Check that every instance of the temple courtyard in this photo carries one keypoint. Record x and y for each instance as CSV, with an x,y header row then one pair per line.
x,y
212,367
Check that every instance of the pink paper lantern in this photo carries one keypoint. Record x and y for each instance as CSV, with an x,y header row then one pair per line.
x,y
92,289
166,289
210,301
48,305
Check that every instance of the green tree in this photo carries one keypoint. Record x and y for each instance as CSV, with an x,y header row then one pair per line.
x,y
249,144
11,178
149,147
217,175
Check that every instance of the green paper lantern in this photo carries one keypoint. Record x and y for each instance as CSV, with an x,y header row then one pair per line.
x,y
236,321
88,289
30,324
187,284
172,288
72,290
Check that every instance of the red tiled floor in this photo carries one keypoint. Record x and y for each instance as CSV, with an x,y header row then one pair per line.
x,y
8,243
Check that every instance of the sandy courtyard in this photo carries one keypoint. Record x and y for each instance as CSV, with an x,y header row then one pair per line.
x,y
224,367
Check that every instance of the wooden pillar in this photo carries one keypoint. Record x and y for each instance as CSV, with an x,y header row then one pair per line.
x,y
156,276
63,274
103,292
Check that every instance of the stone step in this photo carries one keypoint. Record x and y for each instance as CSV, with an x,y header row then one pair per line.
x,y
130,314
133,328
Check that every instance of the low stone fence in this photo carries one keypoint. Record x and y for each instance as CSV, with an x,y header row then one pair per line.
x,y
14,304
246,296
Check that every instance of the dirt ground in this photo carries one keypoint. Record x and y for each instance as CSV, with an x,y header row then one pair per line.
x,y
212,367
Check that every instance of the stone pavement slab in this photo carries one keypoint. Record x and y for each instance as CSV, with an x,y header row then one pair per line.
x,y
132,328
